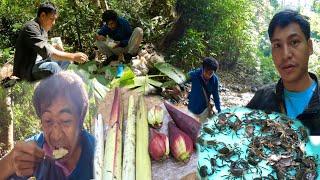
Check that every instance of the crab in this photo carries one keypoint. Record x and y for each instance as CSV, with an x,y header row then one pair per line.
x,y
237,169
226,152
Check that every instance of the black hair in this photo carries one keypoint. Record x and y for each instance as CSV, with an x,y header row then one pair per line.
x,y
285,17
109,15
210,63
47,8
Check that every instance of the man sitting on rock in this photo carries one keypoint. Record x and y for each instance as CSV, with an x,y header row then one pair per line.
x,y
123,41
35,58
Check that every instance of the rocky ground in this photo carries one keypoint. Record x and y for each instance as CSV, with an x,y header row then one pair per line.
x,y
231,97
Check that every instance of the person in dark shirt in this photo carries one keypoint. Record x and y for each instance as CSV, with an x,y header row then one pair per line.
x,y
34,57
204,83
125,41
61,103
297,93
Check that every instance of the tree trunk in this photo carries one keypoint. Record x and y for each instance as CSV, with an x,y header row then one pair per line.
x,y
6,119
96,2
179,28
177,32
104,5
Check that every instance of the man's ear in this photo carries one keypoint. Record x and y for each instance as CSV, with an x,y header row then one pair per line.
x,y
42,15
310,46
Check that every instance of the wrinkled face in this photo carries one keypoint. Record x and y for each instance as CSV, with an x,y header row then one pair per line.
x,y
207,74
48,20
112,24
61,126
290,52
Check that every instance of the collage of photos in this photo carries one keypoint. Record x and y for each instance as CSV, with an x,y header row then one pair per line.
x,y
160,90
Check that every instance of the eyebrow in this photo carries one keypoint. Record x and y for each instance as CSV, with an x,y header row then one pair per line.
x,y
290,36
64,110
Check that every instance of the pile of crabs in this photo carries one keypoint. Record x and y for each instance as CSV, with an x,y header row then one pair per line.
x,y
256,145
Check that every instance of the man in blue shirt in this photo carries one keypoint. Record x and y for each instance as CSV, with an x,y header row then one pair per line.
x,y
61,103
204,83
297,93
125,41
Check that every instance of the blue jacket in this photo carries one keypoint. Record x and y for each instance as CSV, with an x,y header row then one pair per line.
x,y
271,98
197,100
122,33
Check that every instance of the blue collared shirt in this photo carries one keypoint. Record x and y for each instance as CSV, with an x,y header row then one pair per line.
x,y
122,33
84,168
197,100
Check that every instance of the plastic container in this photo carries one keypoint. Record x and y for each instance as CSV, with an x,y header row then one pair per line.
x,y
120,70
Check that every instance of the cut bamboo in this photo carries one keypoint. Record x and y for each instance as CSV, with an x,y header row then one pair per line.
x,y
128,169
113,146
99,150
143,162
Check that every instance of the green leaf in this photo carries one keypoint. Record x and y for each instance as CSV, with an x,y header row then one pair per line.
x,y
127,74
99,89
153,82
144,84
92,68
110,72
88,65
172,72
169,84
102,80
126,79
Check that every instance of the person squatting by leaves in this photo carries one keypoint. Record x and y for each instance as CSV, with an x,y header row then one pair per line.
x,y
121,40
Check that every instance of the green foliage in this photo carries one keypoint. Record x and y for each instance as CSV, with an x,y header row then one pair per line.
x,y
11,20
77,24
25,121
6,55
189,50
316,6
153,16
215,28
267,70
172,72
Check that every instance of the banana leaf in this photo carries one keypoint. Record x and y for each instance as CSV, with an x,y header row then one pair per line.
x,y
126,79
172,72
144,84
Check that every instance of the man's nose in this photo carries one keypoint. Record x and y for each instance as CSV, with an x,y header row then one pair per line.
x,y
287,52
56,132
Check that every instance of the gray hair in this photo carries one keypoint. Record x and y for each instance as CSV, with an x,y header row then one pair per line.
x,y
64,84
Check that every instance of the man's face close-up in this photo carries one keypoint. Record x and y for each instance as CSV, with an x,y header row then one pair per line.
x,y
207,74
112,24
48,20
290,52
61,126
